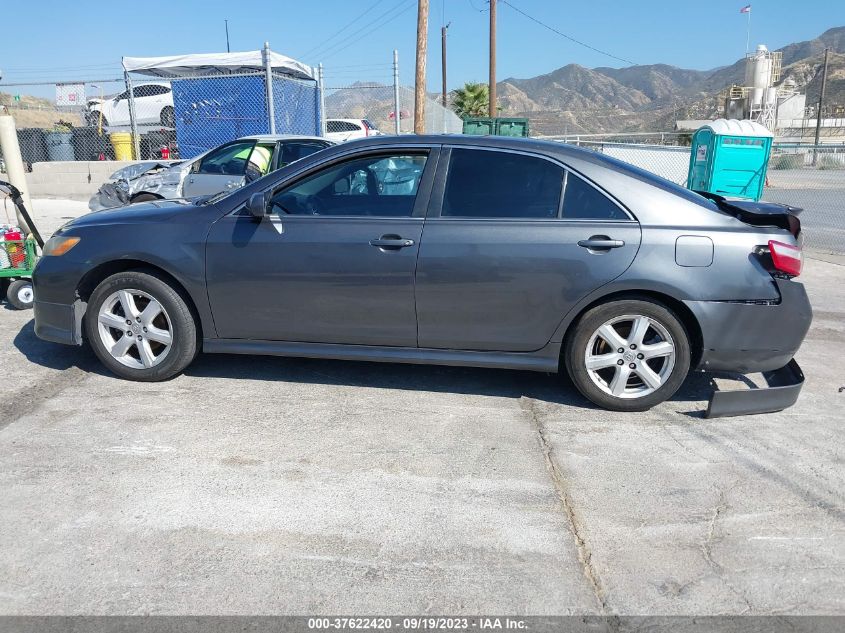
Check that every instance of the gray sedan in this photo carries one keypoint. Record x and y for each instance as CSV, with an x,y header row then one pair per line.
x,y
487,251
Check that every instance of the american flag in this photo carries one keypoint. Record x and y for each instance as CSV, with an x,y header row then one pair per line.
x,y
745,9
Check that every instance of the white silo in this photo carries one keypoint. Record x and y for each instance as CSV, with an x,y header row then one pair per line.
x,y
759,70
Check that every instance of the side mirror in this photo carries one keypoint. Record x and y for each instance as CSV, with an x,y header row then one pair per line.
x,y
257,205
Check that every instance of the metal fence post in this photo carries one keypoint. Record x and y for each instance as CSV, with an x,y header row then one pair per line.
x,y
397,112
321,87
133,119
268,82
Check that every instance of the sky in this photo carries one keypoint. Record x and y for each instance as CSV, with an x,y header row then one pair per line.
x,y
61,41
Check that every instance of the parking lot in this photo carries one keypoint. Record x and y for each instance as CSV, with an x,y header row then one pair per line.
x,y
272,485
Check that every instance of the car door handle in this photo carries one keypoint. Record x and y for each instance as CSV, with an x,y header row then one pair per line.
x,y
391,242
600,243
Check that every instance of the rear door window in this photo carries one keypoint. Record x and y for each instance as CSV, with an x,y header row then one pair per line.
x,y
498,184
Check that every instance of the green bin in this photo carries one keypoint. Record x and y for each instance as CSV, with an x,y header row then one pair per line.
x,y
511,127
480,126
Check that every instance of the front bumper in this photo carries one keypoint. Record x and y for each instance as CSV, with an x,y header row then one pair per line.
x,y
59,322
784,387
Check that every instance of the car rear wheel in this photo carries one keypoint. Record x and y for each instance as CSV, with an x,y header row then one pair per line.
x,y
140,327
19,294
628,355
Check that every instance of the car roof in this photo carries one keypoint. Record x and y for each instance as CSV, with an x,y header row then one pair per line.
x,y
283,137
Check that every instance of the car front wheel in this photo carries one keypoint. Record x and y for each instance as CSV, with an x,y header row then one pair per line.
x,y
628,355
140,327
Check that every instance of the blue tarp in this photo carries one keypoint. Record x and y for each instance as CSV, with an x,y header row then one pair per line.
x,y
214,110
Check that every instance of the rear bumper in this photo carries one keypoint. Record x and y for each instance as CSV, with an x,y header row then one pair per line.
x,y
784,387
59,322
749,337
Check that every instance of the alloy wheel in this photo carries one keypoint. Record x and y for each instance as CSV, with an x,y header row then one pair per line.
x,y
630,356
135,328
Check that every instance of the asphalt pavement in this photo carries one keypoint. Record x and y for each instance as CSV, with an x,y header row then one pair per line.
x,y
292,486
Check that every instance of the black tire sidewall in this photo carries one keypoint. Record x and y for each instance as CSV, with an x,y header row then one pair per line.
x,y
12,294
184,331
576,346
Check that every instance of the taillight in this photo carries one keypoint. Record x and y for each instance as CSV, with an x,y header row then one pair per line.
x,y
786,258
366,129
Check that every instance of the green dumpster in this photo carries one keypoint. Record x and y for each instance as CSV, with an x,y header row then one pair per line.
x,y
479,126
511,127
729,158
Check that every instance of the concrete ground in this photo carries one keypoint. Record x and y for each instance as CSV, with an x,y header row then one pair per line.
x,y
271,485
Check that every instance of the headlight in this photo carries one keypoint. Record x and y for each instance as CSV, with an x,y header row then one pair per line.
x,y
58,245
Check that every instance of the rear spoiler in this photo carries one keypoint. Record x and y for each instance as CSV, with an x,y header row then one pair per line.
x,y
783,216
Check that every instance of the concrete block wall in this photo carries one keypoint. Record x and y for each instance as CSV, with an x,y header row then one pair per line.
x,y
76,180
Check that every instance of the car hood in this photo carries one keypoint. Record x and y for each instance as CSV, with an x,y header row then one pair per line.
x,y
153,211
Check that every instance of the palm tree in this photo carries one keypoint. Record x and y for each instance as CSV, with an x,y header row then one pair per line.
x,y
471,100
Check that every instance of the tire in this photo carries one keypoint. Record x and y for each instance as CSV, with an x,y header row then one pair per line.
x,y
145,197
149,348
168,117
652,370
19,294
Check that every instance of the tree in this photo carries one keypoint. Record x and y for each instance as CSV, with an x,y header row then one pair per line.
x,y
471,100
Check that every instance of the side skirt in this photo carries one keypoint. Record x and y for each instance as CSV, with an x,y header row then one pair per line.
x,y
545,360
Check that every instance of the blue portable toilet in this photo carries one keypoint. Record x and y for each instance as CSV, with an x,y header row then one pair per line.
x,y
729,158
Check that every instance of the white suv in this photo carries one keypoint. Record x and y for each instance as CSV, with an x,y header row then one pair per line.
x,y
340,130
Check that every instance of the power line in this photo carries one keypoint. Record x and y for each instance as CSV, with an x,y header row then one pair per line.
x,y
329,39
570,38
375,26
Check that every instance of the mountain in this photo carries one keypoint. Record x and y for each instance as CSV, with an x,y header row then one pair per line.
x,y
574,99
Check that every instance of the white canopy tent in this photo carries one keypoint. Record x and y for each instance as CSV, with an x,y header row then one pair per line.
x,y
199,64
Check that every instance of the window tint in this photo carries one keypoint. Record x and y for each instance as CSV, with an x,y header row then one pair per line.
x,y
489,184
297,150
582,200
229,160
333,126
381,186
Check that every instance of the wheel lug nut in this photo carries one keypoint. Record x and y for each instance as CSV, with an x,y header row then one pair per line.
x,y
640,356
633,346
138,319
128,322
128,333
620,362
632,365
620,350
145,329
139,337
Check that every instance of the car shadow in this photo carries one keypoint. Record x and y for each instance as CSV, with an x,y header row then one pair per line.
x,y
505,383
53,355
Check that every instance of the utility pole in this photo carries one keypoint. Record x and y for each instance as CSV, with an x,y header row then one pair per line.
x,y
227,36
492,86
397,109
819,109
443,60
419,82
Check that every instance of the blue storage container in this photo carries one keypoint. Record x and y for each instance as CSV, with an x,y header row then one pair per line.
x,y
729,158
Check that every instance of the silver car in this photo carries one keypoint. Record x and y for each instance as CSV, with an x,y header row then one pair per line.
x,y
229,166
